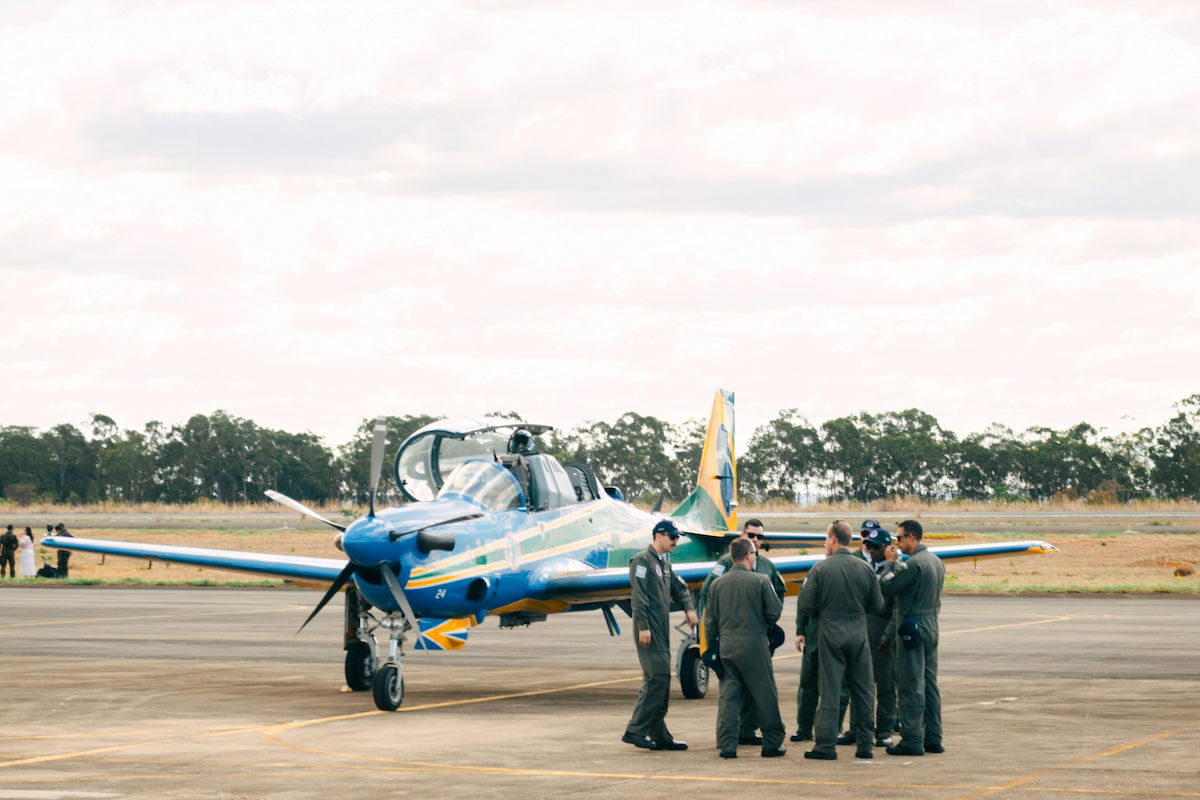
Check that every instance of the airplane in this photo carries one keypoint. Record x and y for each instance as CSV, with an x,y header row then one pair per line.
x,y
492,527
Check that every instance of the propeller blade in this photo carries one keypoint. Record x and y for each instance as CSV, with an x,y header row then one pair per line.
x,y
393,583
296,505
377,458
334,588
396,534
659,502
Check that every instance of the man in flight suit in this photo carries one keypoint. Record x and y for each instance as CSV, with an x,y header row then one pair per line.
x,y
881,633
654,588
753,531
916,584
840,592
741,606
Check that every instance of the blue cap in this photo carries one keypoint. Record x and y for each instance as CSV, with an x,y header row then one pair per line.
x,y
875,534
665,526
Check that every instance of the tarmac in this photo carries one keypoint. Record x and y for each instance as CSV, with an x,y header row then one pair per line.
x,y
209,693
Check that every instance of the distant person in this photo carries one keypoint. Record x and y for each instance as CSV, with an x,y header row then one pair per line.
x,y
64,556
916,584
840,592
752,531
741,607
654,587
8,550
27,569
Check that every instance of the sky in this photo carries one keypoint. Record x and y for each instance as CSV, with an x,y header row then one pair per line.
x,y
308,213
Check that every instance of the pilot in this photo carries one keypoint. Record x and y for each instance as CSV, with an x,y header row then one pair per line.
x,y
840,592
522,443
742,605
916,584
881,634
654,587
752,531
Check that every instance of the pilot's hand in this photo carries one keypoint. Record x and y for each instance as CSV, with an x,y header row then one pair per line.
x,y
644,638
883,646
800,643
692,619
891,553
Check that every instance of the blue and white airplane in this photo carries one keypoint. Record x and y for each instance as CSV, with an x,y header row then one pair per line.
x,y
494,528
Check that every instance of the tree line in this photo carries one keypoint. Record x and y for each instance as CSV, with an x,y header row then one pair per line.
x,y
862,457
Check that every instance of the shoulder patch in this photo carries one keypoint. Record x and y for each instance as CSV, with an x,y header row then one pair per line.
x,y
640,570
718,570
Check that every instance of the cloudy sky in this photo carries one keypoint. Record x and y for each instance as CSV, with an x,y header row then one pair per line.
x,y
311,213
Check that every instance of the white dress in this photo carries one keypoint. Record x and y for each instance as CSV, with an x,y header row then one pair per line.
x,y
26,568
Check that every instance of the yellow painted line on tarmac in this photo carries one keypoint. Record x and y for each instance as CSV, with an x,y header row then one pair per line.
x,y
1019,783
17,762
1009,625
88,621
272,732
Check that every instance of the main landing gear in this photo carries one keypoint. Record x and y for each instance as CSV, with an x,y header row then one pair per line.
x,y
363,671
691,669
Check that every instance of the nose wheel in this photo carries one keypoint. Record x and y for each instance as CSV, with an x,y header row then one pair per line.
x,y
388,687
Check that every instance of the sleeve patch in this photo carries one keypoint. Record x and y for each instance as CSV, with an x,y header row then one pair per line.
x,y
718,570
640,570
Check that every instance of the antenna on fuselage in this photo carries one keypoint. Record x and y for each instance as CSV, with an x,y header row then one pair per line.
x,y
377,459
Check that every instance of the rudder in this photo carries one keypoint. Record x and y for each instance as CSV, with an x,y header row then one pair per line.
x,y
712,505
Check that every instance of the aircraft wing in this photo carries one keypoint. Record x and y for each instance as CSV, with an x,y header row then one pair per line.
x,y
301,568
780,539
598,585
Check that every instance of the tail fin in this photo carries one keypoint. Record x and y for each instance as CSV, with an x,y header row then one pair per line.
x,y
712,505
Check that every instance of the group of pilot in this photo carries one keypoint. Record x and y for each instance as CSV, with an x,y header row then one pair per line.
x,y
866,623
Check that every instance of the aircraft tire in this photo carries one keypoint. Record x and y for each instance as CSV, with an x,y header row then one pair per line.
x,y
693,674
360,666
388,687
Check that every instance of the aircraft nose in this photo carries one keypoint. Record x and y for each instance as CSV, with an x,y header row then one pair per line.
x,y
366,542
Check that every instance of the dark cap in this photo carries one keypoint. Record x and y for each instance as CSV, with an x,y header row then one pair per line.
x,y
876,536
665,526
59,527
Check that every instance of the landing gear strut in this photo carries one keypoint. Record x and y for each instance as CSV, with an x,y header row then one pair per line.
x,y
388,683
359,642
363,669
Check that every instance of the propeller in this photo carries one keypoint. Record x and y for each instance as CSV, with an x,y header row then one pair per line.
x,y
433,542
296,505
377,459
333,589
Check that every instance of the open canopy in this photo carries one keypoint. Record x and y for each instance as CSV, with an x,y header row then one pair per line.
x,y
431,454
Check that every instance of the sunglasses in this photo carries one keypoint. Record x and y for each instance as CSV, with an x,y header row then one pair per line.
x,y
758,536
672,536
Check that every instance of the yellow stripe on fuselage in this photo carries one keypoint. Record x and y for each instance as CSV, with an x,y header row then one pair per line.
x,y
417,582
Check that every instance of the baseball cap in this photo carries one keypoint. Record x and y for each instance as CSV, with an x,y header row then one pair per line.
x,y
667,527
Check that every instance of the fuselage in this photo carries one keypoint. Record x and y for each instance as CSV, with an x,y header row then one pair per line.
x,y
500,560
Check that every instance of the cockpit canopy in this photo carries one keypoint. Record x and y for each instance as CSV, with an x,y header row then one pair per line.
x,y
427,458
426,465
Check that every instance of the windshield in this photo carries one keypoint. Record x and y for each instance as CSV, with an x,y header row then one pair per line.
x,y
484,483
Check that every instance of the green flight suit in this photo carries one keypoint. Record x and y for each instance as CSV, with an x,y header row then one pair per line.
x,y
741,606
881,635
808,691
762,566
654,587
916,584
840,592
